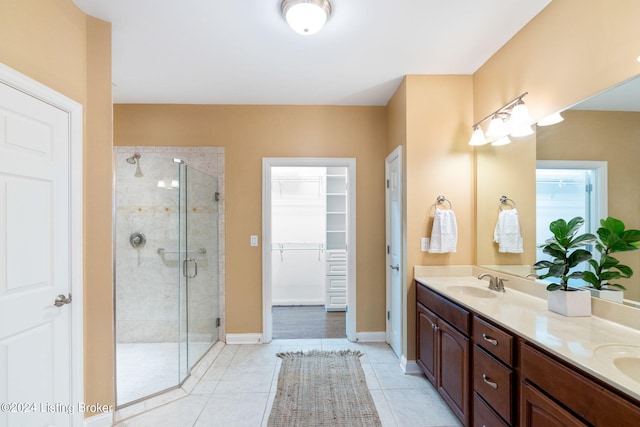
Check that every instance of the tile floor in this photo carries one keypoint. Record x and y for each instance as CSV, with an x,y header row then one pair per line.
x,y
146,368
238,387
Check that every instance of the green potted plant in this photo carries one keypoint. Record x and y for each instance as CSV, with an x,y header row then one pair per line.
x,y
565,249
612,238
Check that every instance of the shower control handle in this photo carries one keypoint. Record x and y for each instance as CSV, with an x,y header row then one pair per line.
x,y
185,265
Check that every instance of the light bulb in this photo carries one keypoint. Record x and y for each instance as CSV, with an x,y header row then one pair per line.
x,y
497,128
477,137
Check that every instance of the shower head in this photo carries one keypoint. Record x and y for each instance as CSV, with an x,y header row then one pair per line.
x,y
133,159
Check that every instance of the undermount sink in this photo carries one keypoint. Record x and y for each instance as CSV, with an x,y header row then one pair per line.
x,y
626,358
471,291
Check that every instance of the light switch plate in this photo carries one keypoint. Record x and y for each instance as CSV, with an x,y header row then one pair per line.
x,y
254,240
424,244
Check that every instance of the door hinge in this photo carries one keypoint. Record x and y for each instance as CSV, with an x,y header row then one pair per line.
x,y
388,249
387,183
217,196
588,188
388,315
217,322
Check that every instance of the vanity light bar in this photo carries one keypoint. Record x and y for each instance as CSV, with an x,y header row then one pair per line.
x,y
519,123
501,110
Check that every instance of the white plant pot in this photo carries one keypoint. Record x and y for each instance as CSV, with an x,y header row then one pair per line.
x,y
571,303
608,294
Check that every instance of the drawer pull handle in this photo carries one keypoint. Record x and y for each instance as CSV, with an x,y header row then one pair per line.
x,y
489,340
485,378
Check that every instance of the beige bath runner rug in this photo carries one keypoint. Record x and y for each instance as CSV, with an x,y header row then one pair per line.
x,y
322,388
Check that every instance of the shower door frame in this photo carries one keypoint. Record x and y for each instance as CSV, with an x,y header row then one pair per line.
x,y
183,248
267,286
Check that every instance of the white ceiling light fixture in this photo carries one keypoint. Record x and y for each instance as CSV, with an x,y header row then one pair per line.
x,y
306,16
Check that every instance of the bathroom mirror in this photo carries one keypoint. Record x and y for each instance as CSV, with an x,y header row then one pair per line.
x,y
605,127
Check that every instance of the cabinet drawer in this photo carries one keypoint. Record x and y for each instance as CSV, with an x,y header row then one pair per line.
x,y
494,340
483,415
455,315
335,300
336,284
336,268
335,256
494,382
596,404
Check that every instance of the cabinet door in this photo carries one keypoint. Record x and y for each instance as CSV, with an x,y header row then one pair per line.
x,y
537,410
427,348
454,370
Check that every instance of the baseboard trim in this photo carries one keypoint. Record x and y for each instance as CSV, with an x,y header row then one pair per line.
x,y
100,420
244,339
410,367
371,336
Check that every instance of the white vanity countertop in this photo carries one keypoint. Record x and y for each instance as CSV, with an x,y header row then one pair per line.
x,y
585,342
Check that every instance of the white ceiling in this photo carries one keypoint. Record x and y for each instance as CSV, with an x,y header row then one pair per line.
x,y
243,52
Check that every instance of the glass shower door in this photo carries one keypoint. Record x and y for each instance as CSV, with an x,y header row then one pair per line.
x,y
200,264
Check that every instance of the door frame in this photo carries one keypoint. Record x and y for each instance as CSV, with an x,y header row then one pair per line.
x,y
396,153
267,164
33,88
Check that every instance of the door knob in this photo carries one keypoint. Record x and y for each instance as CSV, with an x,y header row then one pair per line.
x,y
395,267
62,300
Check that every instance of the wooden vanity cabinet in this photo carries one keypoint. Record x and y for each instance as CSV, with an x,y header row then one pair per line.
x,y
503,380
443,349
555,394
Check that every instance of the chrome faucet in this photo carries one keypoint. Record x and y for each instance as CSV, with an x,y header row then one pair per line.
x,y
495,283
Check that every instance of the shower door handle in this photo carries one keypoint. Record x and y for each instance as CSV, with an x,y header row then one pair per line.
x,y
185,265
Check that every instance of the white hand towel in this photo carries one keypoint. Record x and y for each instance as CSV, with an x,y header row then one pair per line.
x,y
444,234
507,232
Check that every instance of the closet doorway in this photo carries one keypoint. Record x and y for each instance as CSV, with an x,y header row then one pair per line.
x,y
308,248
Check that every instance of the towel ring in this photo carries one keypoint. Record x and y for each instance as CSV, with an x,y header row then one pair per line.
x,y
441,199
504,200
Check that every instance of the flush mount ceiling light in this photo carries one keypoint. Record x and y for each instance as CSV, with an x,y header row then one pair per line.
x,y
306,16
511,119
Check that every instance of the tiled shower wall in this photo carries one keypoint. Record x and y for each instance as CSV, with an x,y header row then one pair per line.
x,y
150,294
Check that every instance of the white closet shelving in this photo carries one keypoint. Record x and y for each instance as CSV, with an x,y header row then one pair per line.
x,y
337,245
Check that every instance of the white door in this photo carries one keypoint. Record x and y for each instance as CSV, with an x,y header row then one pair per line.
x,y
395,261
35,262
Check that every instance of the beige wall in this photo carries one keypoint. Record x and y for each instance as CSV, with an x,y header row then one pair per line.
x,y
438,162
612,137
249,133
510,171
56,44
98,255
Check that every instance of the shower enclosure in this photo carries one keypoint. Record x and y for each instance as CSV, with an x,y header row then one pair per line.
x,y
166,271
